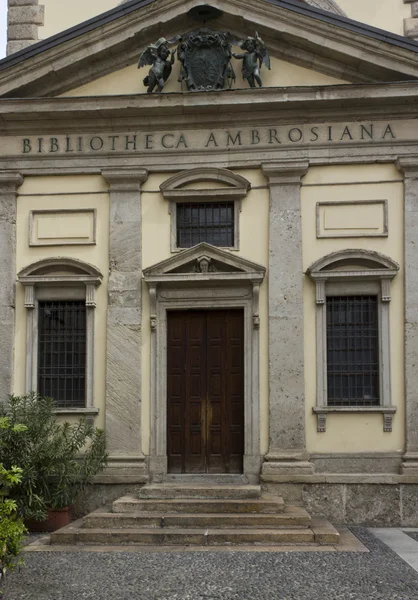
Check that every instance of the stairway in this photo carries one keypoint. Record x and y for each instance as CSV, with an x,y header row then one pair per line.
x,y
198,515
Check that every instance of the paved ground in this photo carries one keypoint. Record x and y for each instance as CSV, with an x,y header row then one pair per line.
x,y
377,575
401,541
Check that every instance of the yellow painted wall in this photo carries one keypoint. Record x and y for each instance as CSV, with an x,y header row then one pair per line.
x,y
386,14
75,192
130,80
156,247
361,432
61,15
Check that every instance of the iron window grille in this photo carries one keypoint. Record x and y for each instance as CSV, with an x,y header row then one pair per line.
x,y
62,352
205,222
353,351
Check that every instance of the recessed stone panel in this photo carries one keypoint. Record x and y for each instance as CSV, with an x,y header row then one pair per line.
x,y
62,227
368,218
373,505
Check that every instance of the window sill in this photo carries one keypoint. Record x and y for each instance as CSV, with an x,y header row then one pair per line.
x,y
90,411
322,412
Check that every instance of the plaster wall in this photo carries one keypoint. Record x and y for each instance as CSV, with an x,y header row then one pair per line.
x,y
357,432
253,246
386,14
58,193
130,81
62,15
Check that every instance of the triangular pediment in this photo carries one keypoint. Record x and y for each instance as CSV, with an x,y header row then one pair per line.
x,y
204,261
294,32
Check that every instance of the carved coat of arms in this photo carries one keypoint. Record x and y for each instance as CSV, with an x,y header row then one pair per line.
x,y
205,57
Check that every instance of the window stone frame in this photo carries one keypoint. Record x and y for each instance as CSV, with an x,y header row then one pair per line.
x,y
60,279
234,189
336,275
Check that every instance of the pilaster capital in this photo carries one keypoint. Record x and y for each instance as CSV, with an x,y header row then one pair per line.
x,y
287,172
9,182
408,165
125,180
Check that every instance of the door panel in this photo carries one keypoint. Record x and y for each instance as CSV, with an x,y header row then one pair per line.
x,y
235,391
205,391
216,342
176,390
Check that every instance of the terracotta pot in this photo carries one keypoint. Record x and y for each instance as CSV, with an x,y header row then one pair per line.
x,y
57,518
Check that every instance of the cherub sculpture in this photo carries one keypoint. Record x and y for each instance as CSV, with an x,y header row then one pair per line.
x,y
252,60
157,55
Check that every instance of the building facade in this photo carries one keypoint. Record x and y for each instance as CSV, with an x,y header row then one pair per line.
x,y
225,280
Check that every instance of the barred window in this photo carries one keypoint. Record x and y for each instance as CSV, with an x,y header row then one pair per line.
x,y
205,222
62,352
352,351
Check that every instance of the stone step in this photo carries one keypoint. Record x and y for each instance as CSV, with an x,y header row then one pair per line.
x,y
201,491
294,517
128,504
206,479
182,537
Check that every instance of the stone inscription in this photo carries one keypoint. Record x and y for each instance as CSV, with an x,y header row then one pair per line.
x,y
221,139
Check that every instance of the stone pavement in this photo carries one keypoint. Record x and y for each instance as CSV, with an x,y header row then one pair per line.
x,y
376,574
402,541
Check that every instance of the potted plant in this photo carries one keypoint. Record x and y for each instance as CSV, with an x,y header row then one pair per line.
x,y
58,460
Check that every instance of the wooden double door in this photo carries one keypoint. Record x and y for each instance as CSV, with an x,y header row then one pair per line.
x,y
205,391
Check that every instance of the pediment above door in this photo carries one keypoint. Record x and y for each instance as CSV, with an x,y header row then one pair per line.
x,y
204,262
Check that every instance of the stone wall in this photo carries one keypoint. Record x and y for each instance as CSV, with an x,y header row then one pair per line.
x,y
411,25
99,495
24,18
390,504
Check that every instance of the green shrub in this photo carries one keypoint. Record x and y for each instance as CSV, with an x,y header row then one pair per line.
x,y
57,459
12,529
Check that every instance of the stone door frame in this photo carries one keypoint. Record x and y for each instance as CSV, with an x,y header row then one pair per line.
x,y
194,297
204,277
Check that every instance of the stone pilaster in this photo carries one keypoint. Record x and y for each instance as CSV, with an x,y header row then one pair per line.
x,y
123,368
409,166
411,25
287,450
9,182
23,19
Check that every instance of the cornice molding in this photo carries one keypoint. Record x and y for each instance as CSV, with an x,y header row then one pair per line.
x,y
71,113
